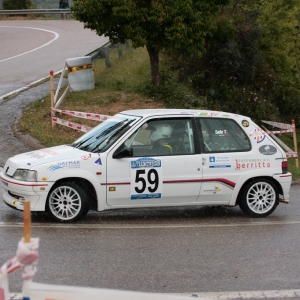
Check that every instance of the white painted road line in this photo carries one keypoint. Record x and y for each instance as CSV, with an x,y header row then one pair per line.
x,y
56,36
274,294
143,226
24,89
277,294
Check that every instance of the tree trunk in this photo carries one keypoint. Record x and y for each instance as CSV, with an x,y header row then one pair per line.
x,y
154,63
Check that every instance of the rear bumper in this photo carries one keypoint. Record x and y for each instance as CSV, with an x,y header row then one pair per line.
x,y
285,180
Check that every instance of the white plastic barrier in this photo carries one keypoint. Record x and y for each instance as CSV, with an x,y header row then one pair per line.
x,y
80,73
40,291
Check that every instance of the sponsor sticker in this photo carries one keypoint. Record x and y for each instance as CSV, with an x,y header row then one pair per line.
x,y
219,162
255,163
48,151
36,155
146,179
258,134
72,164
245,123
213,191
85,157
98,161
267,150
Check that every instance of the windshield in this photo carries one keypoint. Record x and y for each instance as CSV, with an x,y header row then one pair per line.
x,y
105,134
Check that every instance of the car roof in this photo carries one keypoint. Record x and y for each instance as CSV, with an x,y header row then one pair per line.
x,y
194,112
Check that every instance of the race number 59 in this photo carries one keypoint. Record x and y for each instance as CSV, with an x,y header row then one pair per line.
x,y
146,179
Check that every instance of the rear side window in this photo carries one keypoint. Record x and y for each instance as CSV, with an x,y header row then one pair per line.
x,y
223,135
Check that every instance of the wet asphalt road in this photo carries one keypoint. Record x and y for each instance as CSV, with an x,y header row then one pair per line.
x,y
31,48
180,250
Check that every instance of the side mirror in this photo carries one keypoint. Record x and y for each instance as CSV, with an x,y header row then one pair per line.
x,y
124,152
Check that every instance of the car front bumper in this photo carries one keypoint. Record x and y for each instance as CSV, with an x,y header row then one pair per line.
x,y
16,192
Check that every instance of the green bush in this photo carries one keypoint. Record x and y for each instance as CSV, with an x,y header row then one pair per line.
x,y
236,75
17,4
172,93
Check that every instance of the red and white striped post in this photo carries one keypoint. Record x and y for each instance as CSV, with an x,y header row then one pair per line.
x,y
295,142
27,222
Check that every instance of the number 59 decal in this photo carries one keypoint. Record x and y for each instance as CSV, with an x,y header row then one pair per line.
x,y
146,178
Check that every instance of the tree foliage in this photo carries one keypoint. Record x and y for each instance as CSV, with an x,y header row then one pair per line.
x,y
155,24
251,65
17,4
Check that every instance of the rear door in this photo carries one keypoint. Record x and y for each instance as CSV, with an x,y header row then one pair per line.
x,y
225,146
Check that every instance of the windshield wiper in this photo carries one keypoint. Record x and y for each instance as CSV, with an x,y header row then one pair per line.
x,y
110,129
107,141
80,143
118,130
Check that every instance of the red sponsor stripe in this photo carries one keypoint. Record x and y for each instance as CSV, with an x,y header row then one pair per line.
x,y
222,180
23,184
288,175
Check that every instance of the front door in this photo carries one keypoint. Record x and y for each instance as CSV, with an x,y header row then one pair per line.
x,y
164,168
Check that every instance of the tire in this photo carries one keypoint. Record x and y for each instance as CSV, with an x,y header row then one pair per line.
x,y
67,202
259,198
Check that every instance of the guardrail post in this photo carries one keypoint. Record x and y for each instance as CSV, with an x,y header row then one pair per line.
x,y
120,50
107,57
127,44
52,95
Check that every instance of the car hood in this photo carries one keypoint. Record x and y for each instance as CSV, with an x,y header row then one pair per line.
x,y
34,158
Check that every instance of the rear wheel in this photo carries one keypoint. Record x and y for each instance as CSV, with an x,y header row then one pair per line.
x,y
67,202
259,198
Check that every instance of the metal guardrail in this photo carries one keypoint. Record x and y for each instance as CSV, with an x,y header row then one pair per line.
x,y
35,11
104,51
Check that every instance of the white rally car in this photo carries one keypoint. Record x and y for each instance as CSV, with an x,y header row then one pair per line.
x,y
153,158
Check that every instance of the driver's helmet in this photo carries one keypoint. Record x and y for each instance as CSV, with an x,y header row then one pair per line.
x,y
159,130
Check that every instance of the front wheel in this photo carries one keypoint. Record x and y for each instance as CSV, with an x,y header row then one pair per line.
x,y
67,202
259,198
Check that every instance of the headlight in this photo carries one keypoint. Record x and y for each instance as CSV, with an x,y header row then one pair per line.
x,y
25,175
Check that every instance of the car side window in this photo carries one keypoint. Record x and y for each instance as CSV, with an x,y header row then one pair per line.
x,y
223,135
160,137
